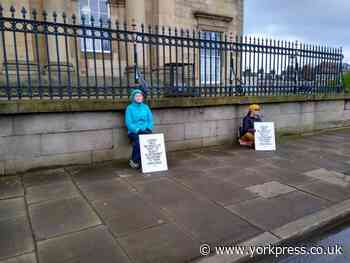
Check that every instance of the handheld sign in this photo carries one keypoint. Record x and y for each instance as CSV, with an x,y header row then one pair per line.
x,y
265,136
153,155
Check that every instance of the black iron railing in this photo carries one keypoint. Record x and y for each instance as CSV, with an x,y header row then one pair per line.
x,y
55,56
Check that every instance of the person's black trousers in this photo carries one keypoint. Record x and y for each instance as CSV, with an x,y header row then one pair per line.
x,y
136,154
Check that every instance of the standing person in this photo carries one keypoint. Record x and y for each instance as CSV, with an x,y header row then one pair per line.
x,y
247,131
138,120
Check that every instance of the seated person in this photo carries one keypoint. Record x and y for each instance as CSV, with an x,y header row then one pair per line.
x,y
247,130
138,120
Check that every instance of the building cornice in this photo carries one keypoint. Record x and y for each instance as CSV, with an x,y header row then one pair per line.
x,y
210,16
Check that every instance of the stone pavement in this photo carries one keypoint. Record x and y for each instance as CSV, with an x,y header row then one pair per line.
x,y
109,213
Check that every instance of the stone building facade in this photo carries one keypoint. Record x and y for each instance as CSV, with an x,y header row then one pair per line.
x,y
214,16
218,15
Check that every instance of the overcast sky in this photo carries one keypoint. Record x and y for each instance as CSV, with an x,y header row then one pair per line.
x,y
325,22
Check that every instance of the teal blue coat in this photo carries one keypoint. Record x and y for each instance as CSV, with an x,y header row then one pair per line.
x,y
138,116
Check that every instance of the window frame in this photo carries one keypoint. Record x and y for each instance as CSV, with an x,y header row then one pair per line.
x,y
217,57
99,50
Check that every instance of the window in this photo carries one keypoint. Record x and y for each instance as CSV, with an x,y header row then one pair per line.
x,y
98,9
210,58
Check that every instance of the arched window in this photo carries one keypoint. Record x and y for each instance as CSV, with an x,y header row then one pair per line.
x,y
98,9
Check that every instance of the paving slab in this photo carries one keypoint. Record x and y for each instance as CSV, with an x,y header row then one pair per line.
x,y
297,164
216,153
11,208
88,246
186,172
27,258
321,162
331,177
288,176
165,243
177,162
242,163
274,212
92,174
106,189
224,160
224,172
45,177
50,192
203,163
325,190
127,214
11,187
138,177
60,217
183,155
336,156
270,189
210,223
248,178
220,191
15,238
163,192
181,158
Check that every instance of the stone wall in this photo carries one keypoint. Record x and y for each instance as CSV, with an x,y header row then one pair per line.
x,y
62,138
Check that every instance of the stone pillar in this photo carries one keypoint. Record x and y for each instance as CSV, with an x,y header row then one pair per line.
x,y
135,11
165,16
58,6
38,5
166,12
118,12
135,16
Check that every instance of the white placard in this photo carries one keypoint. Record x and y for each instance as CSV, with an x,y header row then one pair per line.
x,y
265,136
153,154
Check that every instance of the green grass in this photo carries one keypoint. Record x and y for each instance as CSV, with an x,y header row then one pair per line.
x,y
346,82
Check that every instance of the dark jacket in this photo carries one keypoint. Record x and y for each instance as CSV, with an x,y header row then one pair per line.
x,y
248,124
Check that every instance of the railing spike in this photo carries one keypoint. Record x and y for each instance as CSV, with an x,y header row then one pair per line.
x,y
83,18
44,13
74,18
24,12
54,15
34,14
12,10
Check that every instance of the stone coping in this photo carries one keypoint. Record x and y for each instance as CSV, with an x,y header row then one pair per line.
x,y
93,105
294,230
